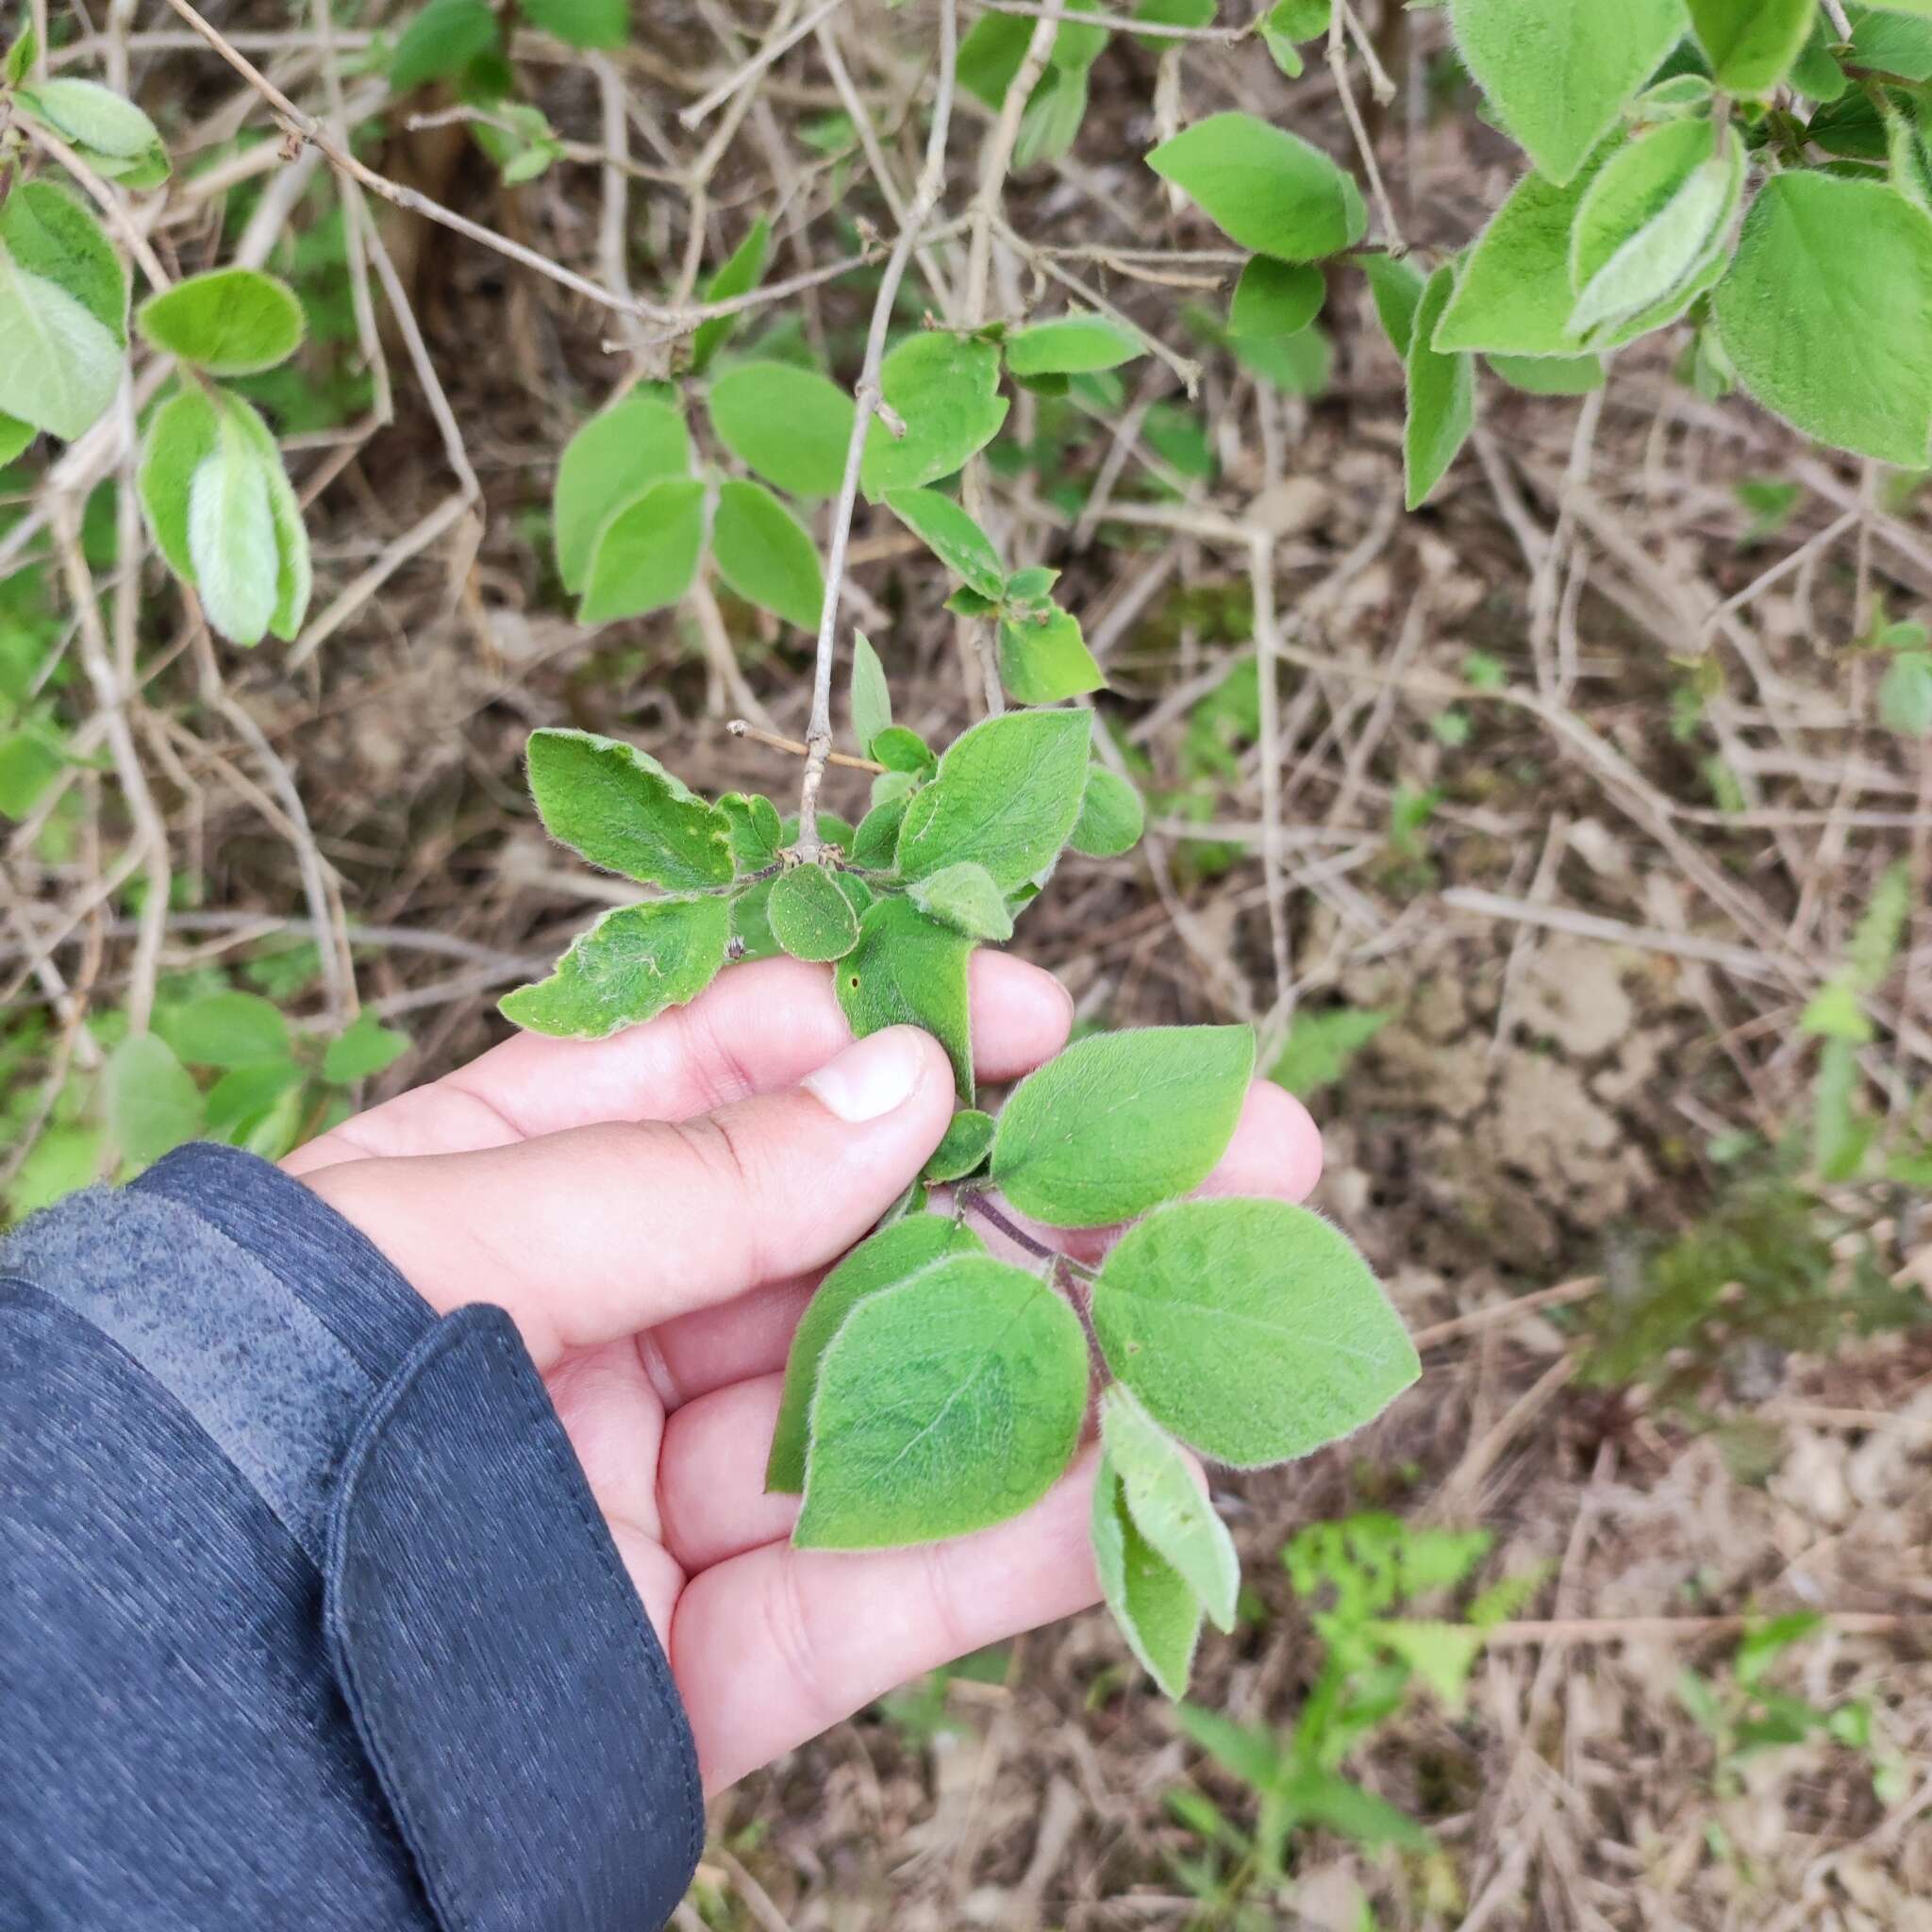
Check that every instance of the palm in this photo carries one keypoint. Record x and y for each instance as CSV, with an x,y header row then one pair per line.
x,y
657,1273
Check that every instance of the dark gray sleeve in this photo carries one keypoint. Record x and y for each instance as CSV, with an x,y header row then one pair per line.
x,y
306,1615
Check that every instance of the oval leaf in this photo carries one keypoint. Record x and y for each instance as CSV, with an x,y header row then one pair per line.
x,y
229,321
766,554
645,556
790,424
1168,1504
1122,1122
1043,657
1073,345
227,1029
909,969
949,1402
153,1104
740,276
953,537
1158,1612
231,536
626,969
617,808
962,1150
62,367
608,464
945,389
93,116
1752,43
1264,187
811,917
1112,816
964,897
1441,395
1251,1329
1275,298
180,435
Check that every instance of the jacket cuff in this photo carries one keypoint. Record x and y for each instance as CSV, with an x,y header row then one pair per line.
x,y
502,1677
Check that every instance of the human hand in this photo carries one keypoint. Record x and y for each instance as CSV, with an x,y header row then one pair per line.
x,y
654,1211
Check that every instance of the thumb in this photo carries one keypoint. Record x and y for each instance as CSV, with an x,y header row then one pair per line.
x,y
604,1231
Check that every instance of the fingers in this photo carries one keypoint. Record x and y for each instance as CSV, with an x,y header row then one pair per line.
x,y
773,1647
756,1029
711,1499
600,1232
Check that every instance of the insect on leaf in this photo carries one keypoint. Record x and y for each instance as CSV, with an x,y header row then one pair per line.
x,y
626,969
1264,187
741,274
619,808
766,554
964,897
1168,1505
608,463
907,969
229,321
1112,816
646,555
893,1255
1121,1122
948,1403
945,389
1005,795
1441,395
811,917
1252,1329
1158,1612
790,425
953,537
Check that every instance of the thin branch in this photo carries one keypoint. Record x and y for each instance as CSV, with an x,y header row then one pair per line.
x,y
701,109
1114,23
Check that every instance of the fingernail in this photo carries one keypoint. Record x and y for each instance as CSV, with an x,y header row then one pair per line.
x,y
869,1080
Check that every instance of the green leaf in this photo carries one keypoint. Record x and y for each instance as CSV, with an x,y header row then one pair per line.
x,y
180,436
1840,1139
1043,657
766,554
29,762
1289,21
1168,1505
229,321
256,1106
1441,395
1319,1797
1752,43
962,1151
62,365
1442,1655
227,1029
1005,795
626,969
872,698
231,535
1249,1751
617,807
582,23
1072,345
811,917
1904,696
609,463
14,438
907,970
1275,298
645,556
153,1106
1031,584
1156,1612
896,1254
756,832
1560,72
877,836
1121,1122
1649,219
20,54
1834,1012
1252,1329
741,274
1551,375
1396,285
364,1047
1320,1046
945,389
53,235
953,537
964,897
948,1403
293,581
790,424
440,40
110,132
902,751
1112,816
1264,187
1827,314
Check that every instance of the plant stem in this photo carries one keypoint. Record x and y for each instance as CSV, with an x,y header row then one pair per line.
x,y
741,728
932,181
976,1201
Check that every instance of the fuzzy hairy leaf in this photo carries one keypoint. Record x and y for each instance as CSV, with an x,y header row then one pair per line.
x,y
766,554
1396,286
646,555
54,235
626,969
1560,72
948,1403
791,425
1264,187
871,697
180,434
1158,1612
229,321
62,365
1827,314
1121,1122
293,580
617,807
231,536
1072,345
1112,816
1752,43
1551,375
1043,657
1168,1506
907,969
1441,395
1252,1329
608,463
740,275
952,536
896,1254
811,917
1275,298
153,1104
964,897
111,133
1005,795
945,389
962,1151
